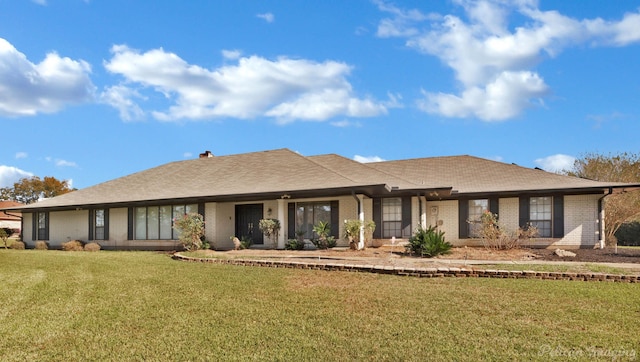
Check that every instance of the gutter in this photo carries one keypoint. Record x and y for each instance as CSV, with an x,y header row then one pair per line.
x,y
601,218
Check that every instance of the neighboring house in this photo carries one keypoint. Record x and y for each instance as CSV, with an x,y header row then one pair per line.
x,y
10,220
234,192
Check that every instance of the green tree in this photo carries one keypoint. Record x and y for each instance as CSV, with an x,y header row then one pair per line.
x,y
31,189
622,167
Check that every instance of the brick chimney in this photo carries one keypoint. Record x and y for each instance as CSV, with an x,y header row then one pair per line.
x,y
206,154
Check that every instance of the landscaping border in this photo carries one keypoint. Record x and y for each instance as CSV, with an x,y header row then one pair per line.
x,y
419,272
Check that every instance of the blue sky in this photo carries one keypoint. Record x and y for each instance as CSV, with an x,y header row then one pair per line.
x,y
94,90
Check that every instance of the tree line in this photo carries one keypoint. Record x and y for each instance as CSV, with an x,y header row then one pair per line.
x,y
31,189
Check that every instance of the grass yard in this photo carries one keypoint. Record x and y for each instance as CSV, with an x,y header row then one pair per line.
x,y
144,306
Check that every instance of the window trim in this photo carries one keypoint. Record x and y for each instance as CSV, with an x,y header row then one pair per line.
x,y
397,220
93,233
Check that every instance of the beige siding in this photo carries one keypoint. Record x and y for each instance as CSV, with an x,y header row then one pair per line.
x,y
445,217
118,225
210,227
509,210
225,225
27,231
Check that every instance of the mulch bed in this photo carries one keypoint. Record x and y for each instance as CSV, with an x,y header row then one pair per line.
x,y
607,255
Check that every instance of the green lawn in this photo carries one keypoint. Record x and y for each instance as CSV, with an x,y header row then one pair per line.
x,y
145,306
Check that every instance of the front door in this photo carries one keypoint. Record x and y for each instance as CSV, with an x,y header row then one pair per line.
x,y
247,220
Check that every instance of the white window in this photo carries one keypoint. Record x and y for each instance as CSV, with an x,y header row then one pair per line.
x,y
156,222
98,224
476,209
540,214
391,217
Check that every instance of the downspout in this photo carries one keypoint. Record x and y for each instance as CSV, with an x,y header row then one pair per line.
x,y
361,218
601,218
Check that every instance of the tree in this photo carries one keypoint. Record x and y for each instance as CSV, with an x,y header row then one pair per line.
x,y
29,190
622,167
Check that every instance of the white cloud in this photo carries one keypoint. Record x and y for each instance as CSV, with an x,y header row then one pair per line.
x,y
268,17
121,97
492,61
346,123
367,159
231,54
285,89
20,155
502,99
27,89
10,175
65,163
556,163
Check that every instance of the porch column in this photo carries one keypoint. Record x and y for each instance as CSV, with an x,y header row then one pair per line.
x,y
361,218
423,211
284,223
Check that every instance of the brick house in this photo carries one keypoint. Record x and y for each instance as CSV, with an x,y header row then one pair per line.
x,y
234,192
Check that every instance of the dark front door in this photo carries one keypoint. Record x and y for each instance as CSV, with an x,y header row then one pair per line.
x,y
247,219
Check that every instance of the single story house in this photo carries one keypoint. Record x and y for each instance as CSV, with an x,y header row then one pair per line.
x,y
10,220
234,192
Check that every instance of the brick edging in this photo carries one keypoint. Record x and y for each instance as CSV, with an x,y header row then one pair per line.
x,y
419,272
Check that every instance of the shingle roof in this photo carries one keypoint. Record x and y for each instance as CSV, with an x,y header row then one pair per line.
x,y
271,173
468,174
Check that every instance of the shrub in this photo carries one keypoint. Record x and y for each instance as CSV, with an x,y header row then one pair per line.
x,y
191,228
92,247
629,234
18,245
271,229
494,236
73,245
41,245
428,242
245,242
324,241
352,232
294,244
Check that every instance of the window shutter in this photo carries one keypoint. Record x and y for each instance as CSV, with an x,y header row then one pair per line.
x,y
92,218
34,226
291,220
558,216
463,215
335,219
523,211
494,207
106,224
377,217
130,223
406,217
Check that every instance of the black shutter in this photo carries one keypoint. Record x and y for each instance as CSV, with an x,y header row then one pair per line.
x,y
92,219
291,220
34,226
201,209
494,207
335,219
558,216
130,224
106,224
377,217
463,215
523,211
406,217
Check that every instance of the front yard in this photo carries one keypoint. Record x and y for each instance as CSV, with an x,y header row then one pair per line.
x,y
145,306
